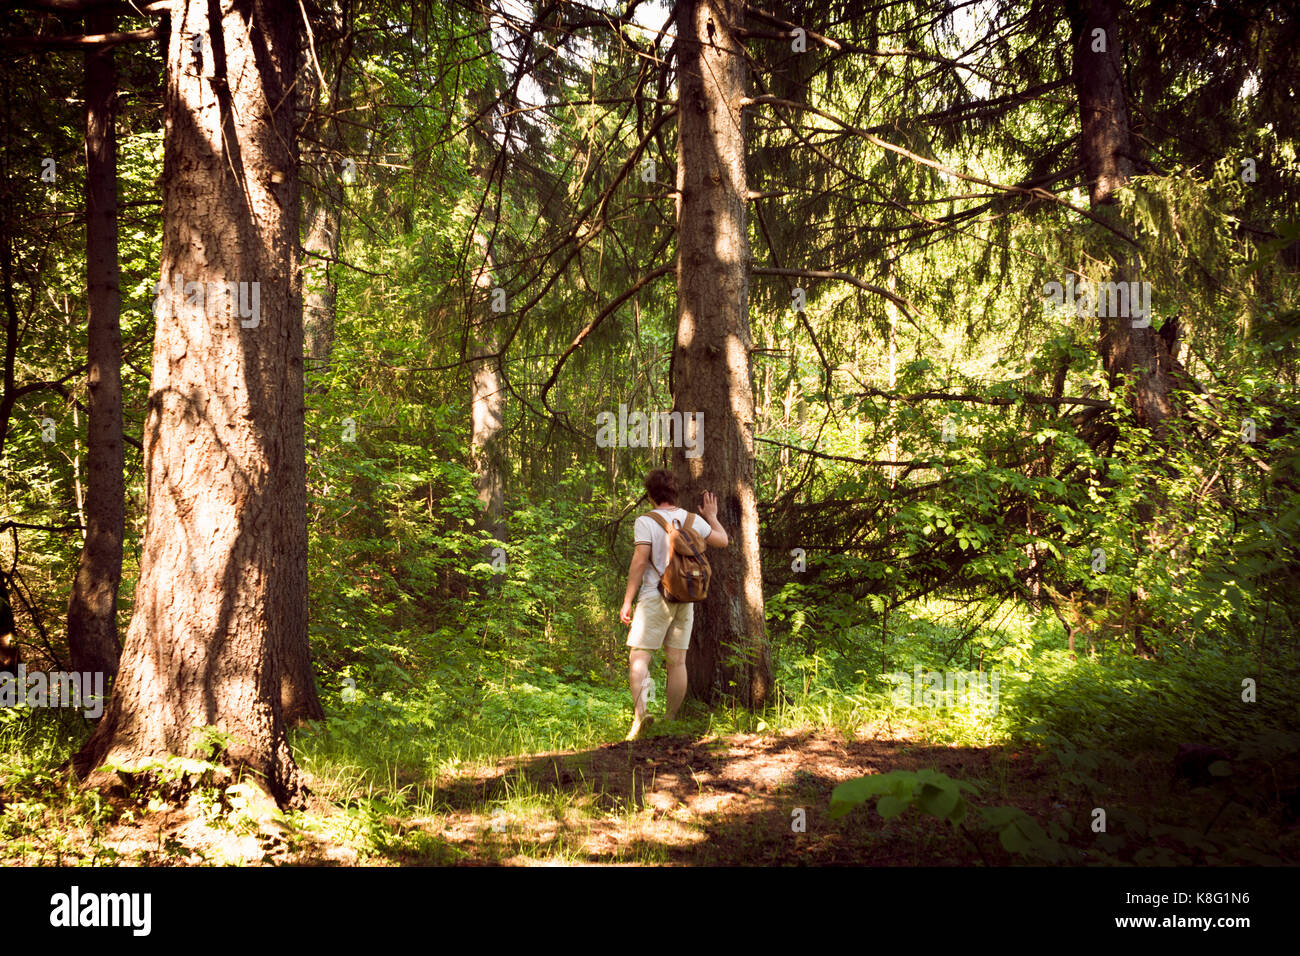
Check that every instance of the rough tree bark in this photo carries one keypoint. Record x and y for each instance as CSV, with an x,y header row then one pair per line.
x,y
711,359
1106,150
220,609
92,605
1141,355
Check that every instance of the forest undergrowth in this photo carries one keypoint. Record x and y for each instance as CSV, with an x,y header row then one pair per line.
x,y
513,753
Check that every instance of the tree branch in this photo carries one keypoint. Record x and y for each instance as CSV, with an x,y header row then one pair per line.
x,y
594,323
1031,192
102,41
906,307
1029,398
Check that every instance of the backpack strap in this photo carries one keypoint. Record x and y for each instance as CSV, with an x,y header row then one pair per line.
x,y
690,523
663,523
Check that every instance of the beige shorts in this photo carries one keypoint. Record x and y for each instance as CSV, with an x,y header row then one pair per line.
x,y
656,620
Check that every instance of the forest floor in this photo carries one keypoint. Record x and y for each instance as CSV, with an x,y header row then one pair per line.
x,y
735,799
673,798
738,799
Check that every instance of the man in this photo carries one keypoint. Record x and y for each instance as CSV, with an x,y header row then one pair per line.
x,y
659,623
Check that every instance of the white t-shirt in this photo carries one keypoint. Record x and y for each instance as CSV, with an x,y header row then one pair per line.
x,y
649,532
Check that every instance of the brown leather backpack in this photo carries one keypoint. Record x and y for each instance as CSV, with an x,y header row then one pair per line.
x,y
685,579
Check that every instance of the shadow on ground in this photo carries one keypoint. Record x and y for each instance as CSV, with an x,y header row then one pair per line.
x,y
741,799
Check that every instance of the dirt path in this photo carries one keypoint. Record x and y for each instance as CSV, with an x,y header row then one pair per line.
x,y
738,799
727,800
741,799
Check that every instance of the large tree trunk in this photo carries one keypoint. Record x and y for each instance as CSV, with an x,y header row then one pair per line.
x,y
220,610
711,371
92,605
1106,148
1142,355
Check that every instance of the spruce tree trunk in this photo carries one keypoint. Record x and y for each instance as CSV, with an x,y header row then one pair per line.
x,y
220,620
1106,148
1142,355
711,360
92,604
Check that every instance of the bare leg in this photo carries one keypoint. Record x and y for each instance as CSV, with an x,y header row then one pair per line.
x,y
638,669
676,679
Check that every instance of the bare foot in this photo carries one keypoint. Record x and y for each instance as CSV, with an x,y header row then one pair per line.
x,y
639,726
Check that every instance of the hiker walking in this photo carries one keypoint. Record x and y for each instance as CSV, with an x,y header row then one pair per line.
x,y
668,575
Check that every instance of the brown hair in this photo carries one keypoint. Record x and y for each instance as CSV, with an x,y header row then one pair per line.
x,y
661,486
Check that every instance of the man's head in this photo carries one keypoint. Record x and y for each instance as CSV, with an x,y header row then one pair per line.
x,y
661,486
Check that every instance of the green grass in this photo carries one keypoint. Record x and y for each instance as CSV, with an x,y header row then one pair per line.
x,y
47,820
378,757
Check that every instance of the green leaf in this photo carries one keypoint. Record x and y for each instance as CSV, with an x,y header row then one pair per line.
x,y
1014,840
940,801
890,806
851,793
